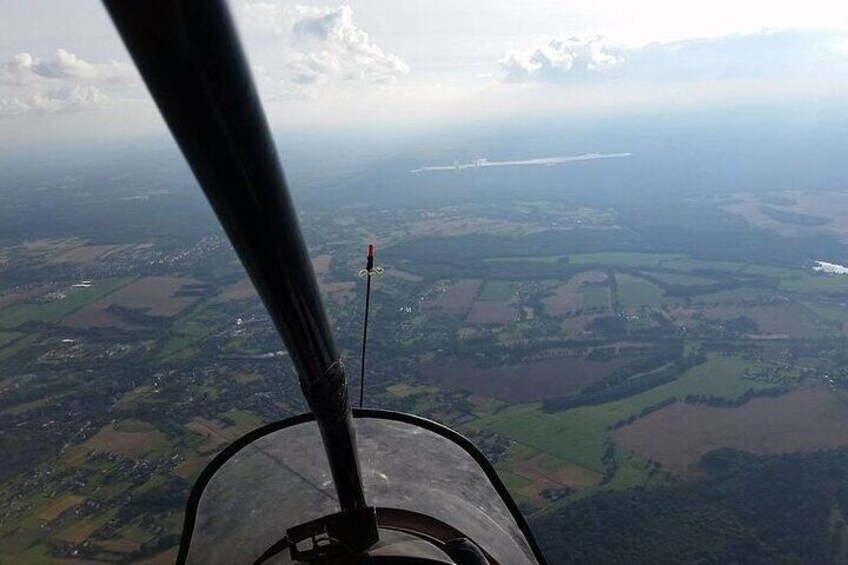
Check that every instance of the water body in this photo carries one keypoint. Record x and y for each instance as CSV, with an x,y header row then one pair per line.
x,y
831,268
543,161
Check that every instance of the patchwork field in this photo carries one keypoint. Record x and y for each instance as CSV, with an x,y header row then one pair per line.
x,y
581,291
490,312
58,304
635,292
788,320
60,506
242,290
153,296
580,435
679,435
522,382
537,477
10,298
624,259
84,254
795,213
127,443
458,298
496,290
220,433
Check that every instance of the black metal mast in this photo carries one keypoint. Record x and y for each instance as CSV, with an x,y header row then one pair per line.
x,y
367,272
190,57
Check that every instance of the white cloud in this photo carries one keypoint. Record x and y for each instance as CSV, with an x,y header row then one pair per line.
x,y
68,98
772,54
61,83
24,68
557,59
322,46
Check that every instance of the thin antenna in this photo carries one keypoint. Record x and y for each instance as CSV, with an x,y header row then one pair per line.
x,y
368,272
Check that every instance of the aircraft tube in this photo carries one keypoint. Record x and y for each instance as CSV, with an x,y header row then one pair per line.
x,y
190,57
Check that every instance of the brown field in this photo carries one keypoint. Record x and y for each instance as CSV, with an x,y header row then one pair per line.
x,y
749,208
523,382
321,265
241,290
39,246
403,275
576,325
120,545
208,447
788,320
74,456
337,291
190,467
79,532
442,225
83,254
57,508
543,465
167,557
333,287
679,435
244,378
576,476
832,205
71,250
97,318
15,297
459,297
567,298
129,444
546,472
155,296
213,431
491,312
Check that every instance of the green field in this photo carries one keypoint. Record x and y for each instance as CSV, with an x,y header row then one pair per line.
x,y
784,279
634,292
8,337
810,283
595,297
734,296
19,314
680,279
495,290
535,260
16,346
189,330
579,435
512,481
688,264
624,259
243,419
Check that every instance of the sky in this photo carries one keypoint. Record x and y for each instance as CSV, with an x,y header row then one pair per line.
x,y
64,73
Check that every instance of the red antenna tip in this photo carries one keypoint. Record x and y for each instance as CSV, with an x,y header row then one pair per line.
x,y
371,250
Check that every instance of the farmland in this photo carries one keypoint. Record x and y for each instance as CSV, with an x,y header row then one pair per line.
x,y
583,348
581,435
678,436
151,296
130,443
586,290
524,381
57,304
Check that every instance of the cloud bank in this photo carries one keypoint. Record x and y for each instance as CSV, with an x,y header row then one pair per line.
x,y
24,68
557,59
61,83
321,46
66,98
742,56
